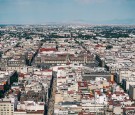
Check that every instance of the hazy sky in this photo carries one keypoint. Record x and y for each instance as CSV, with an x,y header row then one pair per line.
x,y
67,11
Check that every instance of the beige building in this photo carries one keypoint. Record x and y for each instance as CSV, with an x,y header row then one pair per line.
x,y
124,74
6,108
21,112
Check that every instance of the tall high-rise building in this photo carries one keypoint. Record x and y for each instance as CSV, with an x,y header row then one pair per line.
x,y
132,92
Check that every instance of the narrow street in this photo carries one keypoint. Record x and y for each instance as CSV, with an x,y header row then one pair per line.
x,y
52,98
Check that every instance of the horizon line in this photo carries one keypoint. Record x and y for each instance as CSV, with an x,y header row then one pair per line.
x,y
62,23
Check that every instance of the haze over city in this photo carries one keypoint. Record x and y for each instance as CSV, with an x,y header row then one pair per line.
x,y
67,11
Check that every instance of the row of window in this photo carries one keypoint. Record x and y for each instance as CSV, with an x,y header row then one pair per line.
x,y
5,109
6,113
6,105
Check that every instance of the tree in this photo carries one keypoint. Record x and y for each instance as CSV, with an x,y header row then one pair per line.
x,y
109,47
1,54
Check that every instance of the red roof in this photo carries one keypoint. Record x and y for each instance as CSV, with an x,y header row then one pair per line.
x,y
21,75
71,92
82,84
61,68
98,92
68,63
98,45
47,49
47,70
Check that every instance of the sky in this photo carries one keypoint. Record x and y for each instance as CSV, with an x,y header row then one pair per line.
x,y
67,11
